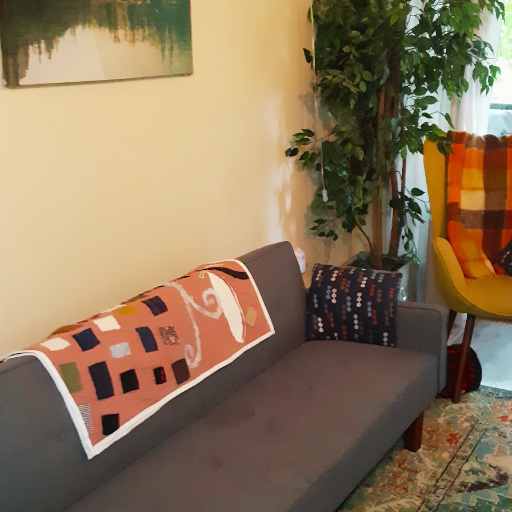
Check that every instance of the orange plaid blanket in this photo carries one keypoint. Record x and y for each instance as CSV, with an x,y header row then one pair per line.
x,y
479,197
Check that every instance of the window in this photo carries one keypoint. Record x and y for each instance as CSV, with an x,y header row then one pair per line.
x,y
502,91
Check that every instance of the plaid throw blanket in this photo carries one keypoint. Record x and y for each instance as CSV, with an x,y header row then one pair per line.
x,y
479,197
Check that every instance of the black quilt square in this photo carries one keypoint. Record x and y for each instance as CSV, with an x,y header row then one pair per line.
x,y
86,339
160,377
101,379
352,304
156,305
181,371
129,381
147,339
110,423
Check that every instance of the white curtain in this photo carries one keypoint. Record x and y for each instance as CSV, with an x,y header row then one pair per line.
x,y
471,113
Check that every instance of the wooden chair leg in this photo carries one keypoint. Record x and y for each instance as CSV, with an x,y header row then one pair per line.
x,y
413,435
464,353
451,321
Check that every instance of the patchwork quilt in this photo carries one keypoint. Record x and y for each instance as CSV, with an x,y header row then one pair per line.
x,y
117,368
479,198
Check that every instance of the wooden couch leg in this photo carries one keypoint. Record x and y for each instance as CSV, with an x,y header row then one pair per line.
x,y
464,353
413,435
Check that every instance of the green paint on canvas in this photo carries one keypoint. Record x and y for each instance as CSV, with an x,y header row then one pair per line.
x,y
56,41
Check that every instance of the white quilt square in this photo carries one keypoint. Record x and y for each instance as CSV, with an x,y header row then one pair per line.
x,y
109,323
55,344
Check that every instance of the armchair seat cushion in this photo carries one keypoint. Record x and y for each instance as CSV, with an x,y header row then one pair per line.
x,y
487,297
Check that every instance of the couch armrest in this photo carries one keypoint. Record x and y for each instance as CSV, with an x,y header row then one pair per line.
x,y
422,327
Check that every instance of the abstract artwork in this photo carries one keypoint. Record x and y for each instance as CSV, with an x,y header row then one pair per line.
x,y
70,41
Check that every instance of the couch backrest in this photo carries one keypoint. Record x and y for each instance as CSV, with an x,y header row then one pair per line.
x,y
43,467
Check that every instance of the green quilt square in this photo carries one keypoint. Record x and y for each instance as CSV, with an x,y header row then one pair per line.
x,y
71,377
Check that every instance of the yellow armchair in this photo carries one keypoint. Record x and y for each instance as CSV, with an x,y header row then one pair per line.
x,y
488,297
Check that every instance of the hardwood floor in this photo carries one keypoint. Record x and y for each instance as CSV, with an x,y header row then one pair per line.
x,y
492,341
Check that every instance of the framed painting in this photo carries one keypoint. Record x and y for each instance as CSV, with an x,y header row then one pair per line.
x,y
71,41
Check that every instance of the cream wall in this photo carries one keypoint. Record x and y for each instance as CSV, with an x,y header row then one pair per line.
x,y
109,189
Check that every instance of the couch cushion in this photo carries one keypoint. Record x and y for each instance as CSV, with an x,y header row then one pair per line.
x,y
299,436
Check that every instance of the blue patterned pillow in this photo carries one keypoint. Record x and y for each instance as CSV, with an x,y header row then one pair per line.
x,y
503,262
352,304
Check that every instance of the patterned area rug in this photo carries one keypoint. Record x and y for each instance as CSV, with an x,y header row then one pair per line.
x,y
463,465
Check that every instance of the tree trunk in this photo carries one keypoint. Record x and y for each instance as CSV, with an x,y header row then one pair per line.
x,y
378,239
404,170
396,230
394,239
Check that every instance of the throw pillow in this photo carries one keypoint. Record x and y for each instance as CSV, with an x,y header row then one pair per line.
x,y
352,304
503,262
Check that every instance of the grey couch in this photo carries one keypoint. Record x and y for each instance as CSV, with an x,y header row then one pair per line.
x,y
288,426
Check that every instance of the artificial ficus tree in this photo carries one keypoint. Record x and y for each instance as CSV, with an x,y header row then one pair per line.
x,y
379,66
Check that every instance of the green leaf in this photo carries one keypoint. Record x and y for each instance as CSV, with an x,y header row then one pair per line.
x,y
441,148
307,54
430,100
309,133
294,152
362,86
449,120
359,153
415,207
367,76
416,192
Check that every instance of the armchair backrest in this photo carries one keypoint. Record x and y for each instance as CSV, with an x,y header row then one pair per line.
x,y
435,171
